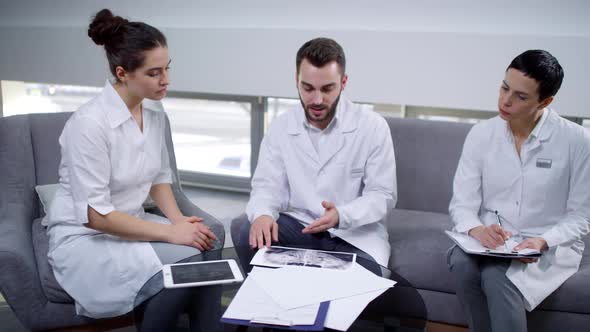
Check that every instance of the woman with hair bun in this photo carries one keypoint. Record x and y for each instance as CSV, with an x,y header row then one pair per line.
x,y
113,156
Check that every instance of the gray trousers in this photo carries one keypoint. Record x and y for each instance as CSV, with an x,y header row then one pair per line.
x,y
490,300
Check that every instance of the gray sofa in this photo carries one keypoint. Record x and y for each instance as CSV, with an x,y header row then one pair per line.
x,y
29,156
427,154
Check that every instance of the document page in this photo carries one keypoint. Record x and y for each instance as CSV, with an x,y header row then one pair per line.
x,y
344,312
253,303
296,286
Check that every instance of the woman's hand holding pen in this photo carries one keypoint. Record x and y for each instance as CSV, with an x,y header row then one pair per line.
x,y
491,236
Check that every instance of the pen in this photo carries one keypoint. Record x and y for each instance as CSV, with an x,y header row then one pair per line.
x,y
500,223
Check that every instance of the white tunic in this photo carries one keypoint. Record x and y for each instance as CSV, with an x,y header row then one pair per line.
x,y
353,166
543,193
108,164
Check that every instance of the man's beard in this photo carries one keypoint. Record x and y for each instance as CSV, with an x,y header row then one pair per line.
x,y
329,115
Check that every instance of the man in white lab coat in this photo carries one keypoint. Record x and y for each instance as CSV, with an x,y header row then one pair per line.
x,y
532,168
326,173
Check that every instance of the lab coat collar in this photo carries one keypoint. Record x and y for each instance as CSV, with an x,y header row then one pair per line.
x,y
335,141
116,109
542,130
343,123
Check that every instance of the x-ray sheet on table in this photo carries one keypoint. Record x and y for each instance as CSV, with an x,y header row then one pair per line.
x,y
276,256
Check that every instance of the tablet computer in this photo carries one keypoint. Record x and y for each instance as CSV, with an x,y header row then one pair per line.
x,y
201,273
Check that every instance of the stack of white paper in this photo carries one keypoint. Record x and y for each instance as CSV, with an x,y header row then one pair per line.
x,y
295,286
292,294
343,312
252,303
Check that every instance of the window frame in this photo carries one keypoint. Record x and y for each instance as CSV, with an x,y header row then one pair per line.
x,y
258,107
258,121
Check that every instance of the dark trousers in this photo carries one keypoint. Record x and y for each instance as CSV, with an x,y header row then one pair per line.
x,y
290,235
162,311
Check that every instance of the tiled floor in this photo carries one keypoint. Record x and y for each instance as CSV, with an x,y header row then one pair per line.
x,y
223,205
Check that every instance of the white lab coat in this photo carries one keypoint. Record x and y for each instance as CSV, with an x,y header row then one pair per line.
x,y
354,167
543,193
109,164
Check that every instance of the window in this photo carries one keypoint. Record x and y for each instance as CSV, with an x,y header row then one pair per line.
x,y
211,133
216,137
210,136
447,114
276,107
23,98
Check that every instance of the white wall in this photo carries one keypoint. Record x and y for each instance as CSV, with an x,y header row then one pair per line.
x,y
434,53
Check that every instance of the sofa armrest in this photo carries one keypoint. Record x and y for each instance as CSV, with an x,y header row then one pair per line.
x,y
19,278
236,226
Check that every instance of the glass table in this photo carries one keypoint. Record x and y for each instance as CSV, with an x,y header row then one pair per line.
x,y
400,308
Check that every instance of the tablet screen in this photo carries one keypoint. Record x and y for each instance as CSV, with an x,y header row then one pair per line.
x,y
182,274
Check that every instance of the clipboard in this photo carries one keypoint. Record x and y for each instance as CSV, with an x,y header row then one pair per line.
x,y
274,323
472,246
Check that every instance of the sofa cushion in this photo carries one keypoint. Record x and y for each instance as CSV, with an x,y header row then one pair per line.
x,y
418,248
51,287
426,157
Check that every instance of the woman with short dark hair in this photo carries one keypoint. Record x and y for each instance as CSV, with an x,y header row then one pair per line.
x,y
523,174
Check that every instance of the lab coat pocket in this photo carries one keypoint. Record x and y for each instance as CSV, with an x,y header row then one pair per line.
x,y
354,181
550,186
357,173
567,257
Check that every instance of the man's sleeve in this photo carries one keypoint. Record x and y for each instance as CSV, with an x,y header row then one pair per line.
x,y
270,188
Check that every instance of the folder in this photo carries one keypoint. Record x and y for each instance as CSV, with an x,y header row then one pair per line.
x,y
471,246
277,323
252,306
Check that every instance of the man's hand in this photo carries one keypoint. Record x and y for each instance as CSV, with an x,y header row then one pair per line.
x,y
490,236
535,243
263,230
329,220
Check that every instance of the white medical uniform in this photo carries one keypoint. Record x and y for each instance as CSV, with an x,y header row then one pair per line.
x,y
543,193
109,164
352,164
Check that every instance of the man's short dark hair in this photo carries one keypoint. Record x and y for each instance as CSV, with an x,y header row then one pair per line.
x,y
321,51
541,66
